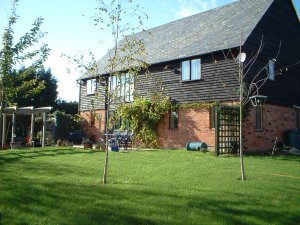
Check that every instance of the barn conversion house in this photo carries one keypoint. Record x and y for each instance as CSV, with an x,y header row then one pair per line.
x,y
195,60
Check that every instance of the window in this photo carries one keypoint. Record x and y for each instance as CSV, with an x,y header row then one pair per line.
x,y
113,84
122,87
173,123
185,67
91,86
272,69
191,70
118,123
259,116
129,88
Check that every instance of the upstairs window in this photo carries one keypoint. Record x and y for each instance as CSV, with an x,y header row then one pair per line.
x,y
91,86
191,70
122,87
272,69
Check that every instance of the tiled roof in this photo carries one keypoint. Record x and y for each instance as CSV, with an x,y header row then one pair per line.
x,y
220,28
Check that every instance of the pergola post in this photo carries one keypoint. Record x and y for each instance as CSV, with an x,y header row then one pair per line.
x,y
3,130
44,130
31,130
13,128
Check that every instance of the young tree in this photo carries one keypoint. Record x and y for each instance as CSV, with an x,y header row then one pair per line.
x,y
125,59
12,55
121,19
250,81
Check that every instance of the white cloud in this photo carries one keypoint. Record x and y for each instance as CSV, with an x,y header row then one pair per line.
x,y
191,7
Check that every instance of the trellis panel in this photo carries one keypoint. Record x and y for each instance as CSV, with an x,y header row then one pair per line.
x,y
227,130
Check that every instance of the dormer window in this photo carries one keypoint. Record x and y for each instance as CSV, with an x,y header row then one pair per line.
x,y
272,69
191,70
91,86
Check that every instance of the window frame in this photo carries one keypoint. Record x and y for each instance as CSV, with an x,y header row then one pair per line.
x,y
173,123
191,76
91,86
123,87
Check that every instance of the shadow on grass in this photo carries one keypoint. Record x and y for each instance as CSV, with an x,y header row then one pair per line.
x,y
65,193
9,156
86,204
288,158
292,158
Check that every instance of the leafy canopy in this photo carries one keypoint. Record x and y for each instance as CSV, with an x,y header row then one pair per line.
x,y
13,55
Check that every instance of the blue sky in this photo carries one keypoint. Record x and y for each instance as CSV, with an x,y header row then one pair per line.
x,y
69,32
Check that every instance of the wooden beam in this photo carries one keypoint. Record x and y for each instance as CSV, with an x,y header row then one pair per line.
x,y
44,130
3,130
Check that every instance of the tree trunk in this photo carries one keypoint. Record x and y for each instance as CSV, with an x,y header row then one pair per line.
x,y
107,101
241,122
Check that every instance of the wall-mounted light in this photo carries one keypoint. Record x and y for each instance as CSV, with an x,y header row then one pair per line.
x,y
258,100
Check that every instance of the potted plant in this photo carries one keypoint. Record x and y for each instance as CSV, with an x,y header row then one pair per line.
x,y
87,143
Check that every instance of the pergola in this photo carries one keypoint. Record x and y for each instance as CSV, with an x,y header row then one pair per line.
x,y
30,111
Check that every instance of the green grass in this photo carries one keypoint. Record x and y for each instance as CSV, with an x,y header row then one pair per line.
x,y
63,186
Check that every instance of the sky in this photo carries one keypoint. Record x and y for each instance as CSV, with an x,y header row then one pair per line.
x,y
70,30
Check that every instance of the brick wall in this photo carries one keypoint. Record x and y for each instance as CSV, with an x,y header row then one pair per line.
x,y
93,127
193,125
276,120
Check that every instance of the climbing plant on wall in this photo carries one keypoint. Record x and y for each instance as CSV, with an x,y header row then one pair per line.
x,y
144,116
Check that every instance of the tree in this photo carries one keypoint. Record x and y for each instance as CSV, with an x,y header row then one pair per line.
x,y
253,73
67,107
121,19
44,79
65,123
12,55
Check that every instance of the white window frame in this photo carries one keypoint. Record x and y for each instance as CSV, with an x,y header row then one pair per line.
x,y
191,69
91,86
123,87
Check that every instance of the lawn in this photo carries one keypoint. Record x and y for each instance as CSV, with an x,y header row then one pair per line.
x,y
63,186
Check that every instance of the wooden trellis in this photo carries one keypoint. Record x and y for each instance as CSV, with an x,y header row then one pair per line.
x,y
227,130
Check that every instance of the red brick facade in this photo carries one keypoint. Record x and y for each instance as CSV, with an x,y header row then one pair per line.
x,y
94,124
193,125
276,120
